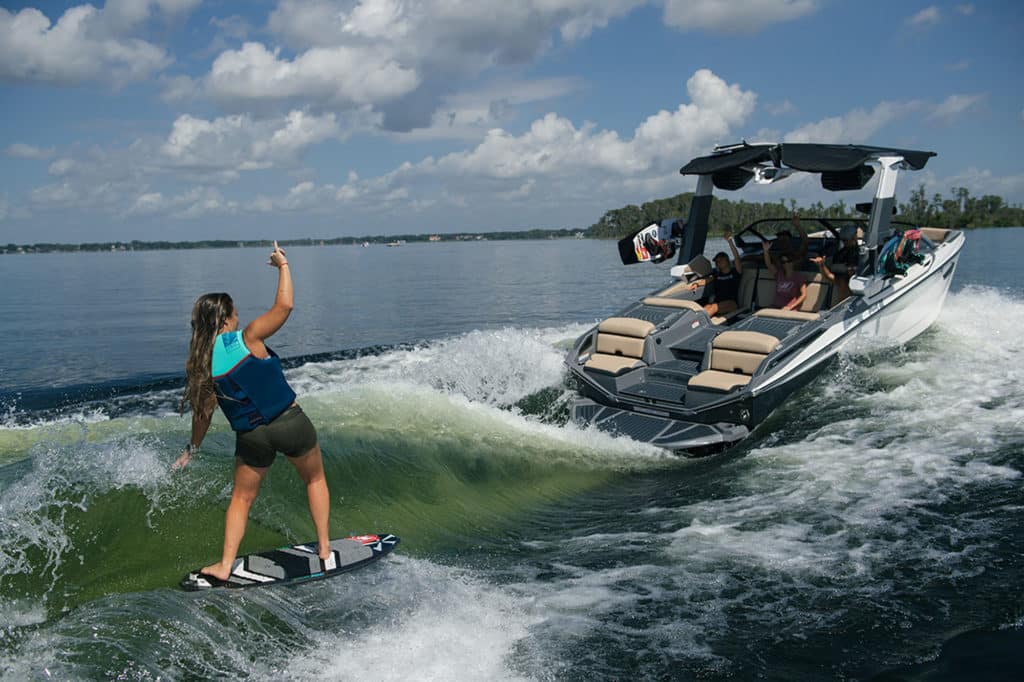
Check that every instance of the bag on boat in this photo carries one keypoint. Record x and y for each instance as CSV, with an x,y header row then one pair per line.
x,y
900,252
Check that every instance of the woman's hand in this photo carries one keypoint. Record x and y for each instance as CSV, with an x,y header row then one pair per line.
x,y
277,257
182,461
728,235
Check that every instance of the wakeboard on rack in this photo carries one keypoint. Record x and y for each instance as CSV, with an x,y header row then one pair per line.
x,y
652,244
297,563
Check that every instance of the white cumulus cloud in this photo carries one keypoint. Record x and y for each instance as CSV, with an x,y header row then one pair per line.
x,y
857,126
19,150
84,44
340,75
955,106
241,142
929,16
403,58
734,16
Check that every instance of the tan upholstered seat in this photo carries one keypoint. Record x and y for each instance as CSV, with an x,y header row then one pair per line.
x,y
781,314
673,289
764,293
626,326
614,344
613,364
936,234
672,303
620,345
751,342
735,356
719,381
819,290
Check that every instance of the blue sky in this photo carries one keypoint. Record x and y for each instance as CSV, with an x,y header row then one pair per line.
x,y
191,119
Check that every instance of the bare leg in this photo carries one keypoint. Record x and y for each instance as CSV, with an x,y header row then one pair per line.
x,y
247,486
311,468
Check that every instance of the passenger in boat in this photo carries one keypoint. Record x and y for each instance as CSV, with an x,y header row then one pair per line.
x,y
848,254
844,262
840,278
784,242
724,282
235,369
790,285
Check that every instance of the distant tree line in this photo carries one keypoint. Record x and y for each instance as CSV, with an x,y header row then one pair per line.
x,y
959,211
962,211
137,245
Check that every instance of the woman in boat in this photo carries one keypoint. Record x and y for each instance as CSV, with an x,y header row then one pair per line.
x,y
840,277
790,286
724,281
236,370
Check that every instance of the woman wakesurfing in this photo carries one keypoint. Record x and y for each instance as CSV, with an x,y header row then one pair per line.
x,y
237,371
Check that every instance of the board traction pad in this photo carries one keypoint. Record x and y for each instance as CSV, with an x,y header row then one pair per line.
x,y
298,563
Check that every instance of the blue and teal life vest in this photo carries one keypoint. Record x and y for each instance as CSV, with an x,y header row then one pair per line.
x,y
250,390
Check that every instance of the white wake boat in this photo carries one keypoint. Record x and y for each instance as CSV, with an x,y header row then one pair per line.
x,y
663,371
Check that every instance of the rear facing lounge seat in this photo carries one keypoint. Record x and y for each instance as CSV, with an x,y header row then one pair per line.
x,y
735,356
620,345
666,302
819,291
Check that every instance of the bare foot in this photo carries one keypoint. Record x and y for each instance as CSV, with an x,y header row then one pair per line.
x,y
217,570
325,552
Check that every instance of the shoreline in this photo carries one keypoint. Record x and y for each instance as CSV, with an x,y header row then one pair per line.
x,y
389,240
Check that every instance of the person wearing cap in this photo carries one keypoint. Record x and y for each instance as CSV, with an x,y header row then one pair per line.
x,y
849,253
724,281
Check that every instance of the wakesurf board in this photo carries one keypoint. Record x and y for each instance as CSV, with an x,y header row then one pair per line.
x,y
652,244
297,563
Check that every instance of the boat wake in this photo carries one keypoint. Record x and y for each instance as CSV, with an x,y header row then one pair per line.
x,y
527,543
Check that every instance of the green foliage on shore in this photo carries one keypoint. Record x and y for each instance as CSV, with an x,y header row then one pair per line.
x,y
962,211
137,245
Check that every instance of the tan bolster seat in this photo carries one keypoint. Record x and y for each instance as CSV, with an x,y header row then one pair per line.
x,y
719,381
782,314
672,303
751,342
626,326
613,364
936,234
735,356
673,289
620,345
614,344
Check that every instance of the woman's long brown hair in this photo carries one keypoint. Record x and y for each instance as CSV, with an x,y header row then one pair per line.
x,y
208,316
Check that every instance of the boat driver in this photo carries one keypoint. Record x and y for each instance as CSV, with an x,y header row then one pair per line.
x,y
724,281
844,262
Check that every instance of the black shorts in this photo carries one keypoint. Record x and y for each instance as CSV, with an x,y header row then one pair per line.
x,y
291,433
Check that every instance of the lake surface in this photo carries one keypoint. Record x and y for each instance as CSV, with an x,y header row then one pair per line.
x,y
870,528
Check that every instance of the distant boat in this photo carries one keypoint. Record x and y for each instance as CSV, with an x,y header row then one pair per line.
x,y
398,242
366,243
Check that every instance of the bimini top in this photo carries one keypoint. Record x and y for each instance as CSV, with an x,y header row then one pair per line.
x,y
841,166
